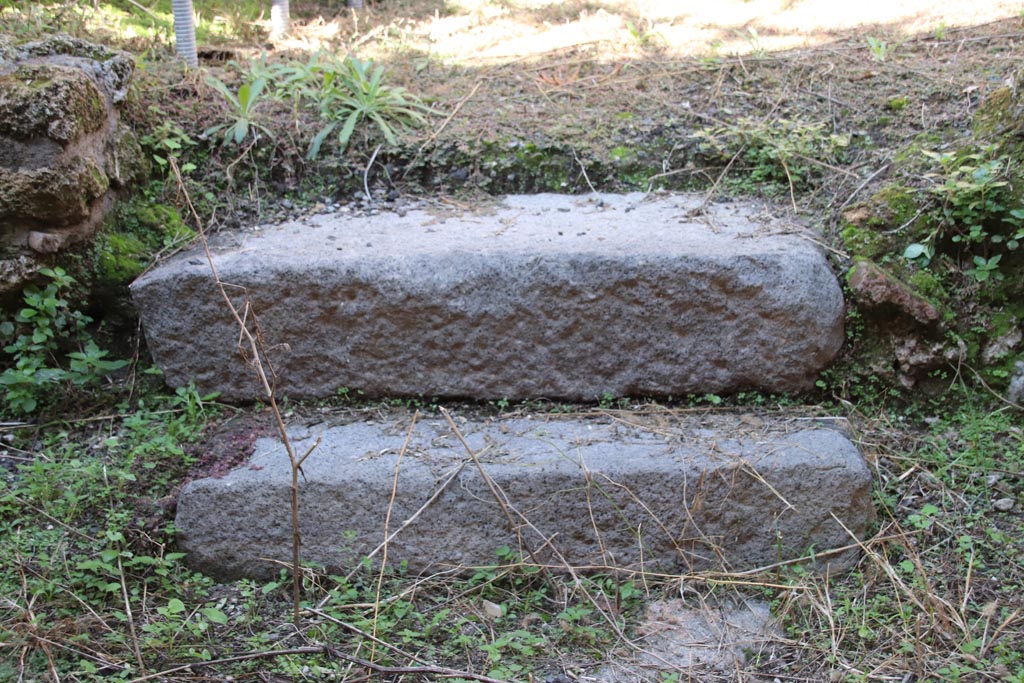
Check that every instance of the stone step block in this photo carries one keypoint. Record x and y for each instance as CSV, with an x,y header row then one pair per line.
x,y
554,296
666,493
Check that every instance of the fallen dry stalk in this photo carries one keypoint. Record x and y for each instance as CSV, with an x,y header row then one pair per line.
x,y
503,503
387,528
601,607
252,347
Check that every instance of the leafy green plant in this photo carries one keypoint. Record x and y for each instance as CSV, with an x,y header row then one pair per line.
x,y
349,91
984,268
644,37
753,39
167,139
49,346
174,618
977,210
243,106
880,49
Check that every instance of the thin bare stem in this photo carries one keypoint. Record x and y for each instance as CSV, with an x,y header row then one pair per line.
x,y
128,616
387,527
252,347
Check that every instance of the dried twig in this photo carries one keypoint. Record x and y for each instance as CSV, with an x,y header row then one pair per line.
x,y
523,521
252,347
881,169
428,670
387,527
498,497
366,174
129,618
444,124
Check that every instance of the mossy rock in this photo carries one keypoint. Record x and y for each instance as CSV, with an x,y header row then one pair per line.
x,y
1002,112
138,231
526,167
929,285
7,51
50,101
64,44
51,197
124,162
869,229
865,242
120,257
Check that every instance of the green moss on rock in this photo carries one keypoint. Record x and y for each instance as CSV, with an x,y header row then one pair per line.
x,y
138,231
864,242
124,162
50,101
869,227
120,257
927,284
54,197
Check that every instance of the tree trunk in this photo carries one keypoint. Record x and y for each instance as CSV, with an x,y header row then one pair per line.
x,y
185,31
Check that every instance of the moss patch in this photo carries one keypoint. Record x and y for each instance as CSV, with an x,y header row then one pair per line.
x,y
139,230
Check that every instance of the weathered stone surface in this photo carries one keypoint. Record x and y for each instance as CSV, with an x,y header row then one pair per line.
x,y
907,330
60,103
703,640
666,493
546,295
876,289
63,154
58,196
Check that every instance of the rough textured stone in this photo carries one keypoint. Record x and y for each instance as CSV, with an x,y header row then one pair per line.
x,y
63,154
665,493
703,640
546,295
58,196
907,329
60,103
877,289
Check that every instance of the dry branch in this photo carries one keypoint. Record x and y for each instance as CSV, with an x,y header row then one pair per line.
x,y
252,347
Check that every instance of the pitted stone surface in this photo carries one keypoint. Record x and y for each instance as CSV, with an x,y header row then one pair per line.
x,y
707,640
665,493
542,296
64,155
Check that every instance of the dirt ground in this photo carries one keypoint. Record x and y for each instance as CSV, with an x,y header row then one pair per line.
x,y
648,94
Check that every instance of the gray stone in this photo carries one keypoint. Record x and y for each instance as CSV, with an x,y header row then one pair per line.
x,y
704,639
542,296
661,493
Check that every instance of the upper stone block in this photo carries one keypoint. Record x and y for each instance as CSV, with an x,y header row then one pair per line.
x,y
556,296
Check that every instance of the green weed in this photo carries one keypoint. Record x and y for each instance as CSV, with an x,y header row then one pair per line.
x,y
880,50
644,37
976,211
782,153
243,105
50,349
350,91
168,139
